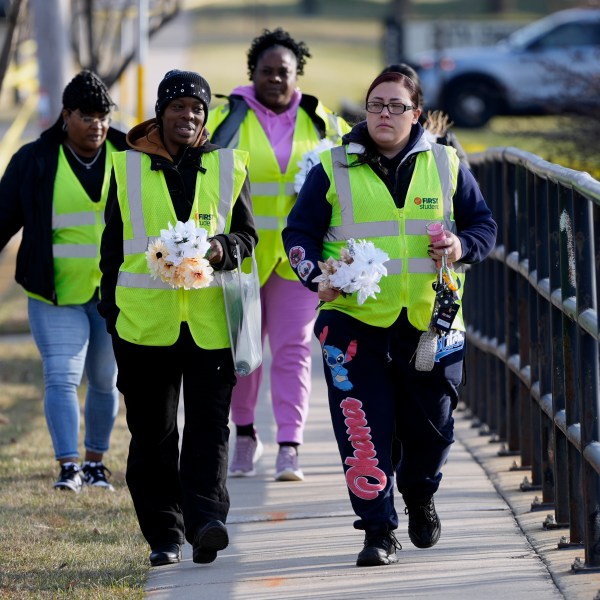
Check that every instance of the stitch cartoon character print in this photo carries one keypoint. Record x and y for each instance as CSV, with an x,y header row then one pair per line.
x,y
335,359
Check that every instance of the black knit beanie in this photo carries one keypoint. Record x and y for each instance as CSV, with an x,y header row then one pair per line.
x,y
182,84
88,93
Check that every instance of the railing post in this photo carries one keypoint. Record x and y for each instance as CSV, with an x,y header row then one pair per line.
x,y
544,347
560,446
585,268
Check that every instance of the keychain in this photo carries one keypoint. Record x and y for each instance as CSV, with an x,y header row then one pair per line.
x,y
445,309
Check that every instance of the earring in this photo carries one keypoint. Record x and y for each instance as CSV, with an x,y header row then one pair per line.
x,y
64,126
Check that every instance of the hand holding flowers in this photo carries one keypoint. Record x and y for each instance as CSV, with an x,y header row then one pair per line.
x,y
178,256
359,269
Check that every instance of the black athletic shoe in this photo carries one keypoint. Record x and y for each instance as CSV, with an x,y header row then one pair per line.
x,y
380,549
70,478
94,474
208,540
424,526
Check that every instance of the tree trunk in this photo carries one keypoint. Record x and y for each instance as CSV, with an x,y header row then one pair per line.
x,y
15,18
51,34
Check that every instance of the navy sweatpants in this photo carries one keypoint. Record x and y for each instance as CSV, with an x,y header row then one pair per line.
x,y
384,411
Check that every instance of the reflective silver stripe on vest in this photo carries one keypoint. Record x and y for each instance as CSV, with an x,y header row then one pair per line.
x,y
414,227
145,281
139,243
445,172
73,219
417,226
75,250
421,265
362,230
349,229
270,223
140,240
393,266
271,189
226,182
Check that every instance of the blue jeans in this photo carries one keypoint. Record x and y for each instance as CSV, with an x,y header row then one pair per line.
x,y
72,339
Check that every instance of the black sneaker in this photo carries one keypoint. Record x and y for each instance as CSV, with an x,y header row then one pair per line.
x,y
424,526
94,473
380,549
70,478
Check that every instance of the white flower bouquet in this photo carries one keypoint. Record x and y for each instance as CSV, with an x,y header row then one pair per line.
x,y
359,269
309,160
178,256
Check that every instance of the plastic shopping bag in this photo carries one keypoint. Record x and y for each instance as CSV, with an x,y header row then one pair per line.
x,y
241,293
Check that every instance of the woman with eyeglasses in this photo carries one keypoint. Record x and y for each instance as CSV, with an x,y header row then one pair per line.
x,y
54,190
383,185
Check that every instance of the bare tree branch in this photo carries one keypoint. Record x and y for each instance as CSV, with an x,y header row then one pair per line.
x,y
97,33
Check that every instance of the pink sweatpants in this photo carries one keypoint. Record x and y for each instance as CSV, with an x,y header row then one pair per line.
x,y
288,314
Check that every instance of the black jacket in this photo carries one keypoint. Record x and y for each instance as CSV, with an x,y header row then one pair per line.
x,y
26,192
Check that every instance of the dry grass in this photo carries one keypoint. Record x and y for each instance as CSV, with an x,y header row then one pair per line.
x,y
55,544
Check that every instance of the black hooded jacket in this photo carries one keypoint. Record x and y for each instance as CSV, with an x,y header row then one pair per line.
x,y
26,193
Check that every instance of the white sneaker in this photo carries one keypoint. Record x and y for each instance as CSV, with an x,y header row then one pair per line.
x,y
286,467
246,455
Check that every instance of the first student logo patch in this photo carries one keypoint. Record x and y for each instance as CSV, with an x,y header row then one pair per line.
x,y
426,203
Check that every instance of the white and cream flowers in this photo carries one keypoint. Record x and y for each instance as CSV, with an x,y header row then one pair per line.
x,y
178,256
359,269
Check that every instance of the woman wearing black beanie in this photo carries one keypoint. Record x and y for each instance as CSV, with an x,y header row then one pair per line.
x,y
174,332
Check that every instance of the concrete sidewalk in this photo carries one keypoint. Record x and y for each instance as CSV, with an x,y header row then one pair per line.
x,y
295,540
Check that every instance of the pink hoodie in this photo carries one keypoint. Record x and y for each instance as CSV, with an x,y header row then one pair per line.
x,y
279,128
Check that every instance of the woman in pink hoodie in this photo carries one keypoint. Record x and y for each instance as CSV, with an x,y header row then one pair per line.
x,y
280,126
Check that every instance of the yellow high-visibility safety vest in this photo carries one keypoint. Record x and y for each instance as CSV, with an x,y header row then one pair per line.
x,y
77,225
151,311
273,194
400,232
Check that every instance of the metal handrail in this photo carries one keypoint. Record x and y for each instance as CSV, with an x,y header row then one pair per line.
x,y
532,326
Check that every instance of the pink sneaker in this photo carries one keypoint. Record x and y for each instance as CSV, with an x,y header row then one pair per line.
x,y
286,467
246,455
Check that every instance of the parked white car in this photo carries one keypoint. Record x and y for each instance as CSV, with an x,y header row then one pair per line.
x,y
544,67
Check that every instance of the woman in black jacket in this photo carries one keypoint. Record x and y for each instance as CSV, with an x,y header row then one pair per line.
x,y
54,190
169,334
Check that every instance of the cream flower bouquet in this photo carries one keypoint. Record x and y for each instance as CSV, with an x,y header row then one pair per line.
x,y
178,256
359,269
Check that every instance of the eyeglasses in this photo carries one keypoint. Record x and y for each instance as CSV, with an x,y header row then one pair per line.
x,y
87,120
393,108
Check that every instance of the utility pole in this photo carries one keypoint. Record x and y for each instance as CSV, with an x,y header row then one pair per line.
x,y
394,36
50,33
142,54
